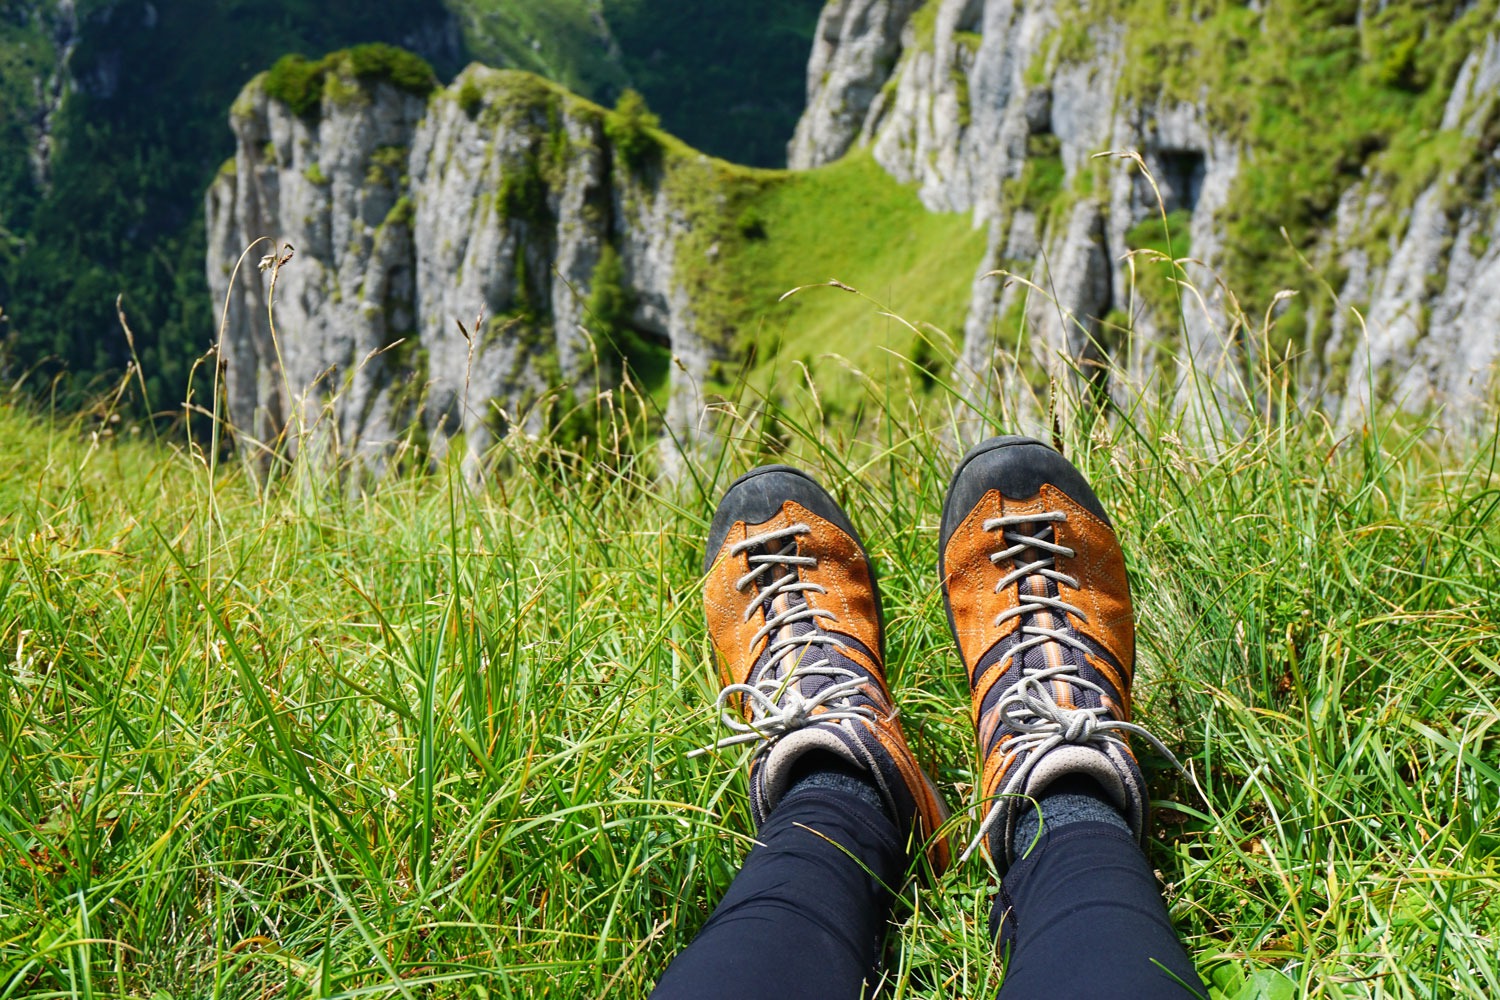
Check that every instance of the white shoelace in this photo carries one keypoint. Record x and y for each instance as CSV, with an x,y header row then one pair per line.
x,y
1029,709
777,705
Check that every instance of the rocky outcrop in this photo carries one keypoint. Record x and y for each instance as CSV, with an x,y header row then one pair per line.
x,y
854,53
1426,333
988,119
447,250
327,192
1001,109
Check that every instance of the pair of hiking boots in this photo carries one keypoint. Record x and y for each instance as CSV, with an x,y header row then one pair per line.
x,y
1034,584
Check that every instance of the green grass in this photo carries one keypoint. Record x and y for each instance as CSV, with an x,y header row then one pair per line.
x,y
557,39
851,222
292,738
754,235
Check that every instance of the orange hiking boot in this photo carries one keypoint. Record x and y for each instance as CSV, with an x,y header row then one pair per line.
x,y
794,616
1034,583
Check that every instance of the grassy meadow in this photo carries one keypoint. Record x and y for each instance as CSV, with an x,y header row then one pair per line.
x,y
276,737
852,222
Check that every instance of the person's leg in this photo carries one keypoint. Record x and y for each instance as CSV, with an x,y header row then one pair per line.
x,y
1038,599
835,791
805,915
1080,914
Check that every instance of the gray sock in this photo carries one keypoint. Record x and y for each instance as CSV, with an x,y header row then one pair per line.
x,y
1073,799
821,770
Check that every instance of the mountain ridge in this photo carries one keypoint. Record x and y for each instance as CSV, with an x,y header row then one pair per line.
x,y
999,113
1367,135
111,128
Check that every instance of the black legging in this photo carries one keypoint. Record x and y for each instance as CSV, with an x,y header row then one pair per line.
x,y
1080,915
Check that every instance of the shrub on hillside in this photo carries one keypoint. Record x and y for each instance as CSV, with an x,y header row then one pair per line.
x,y
470,98
630,127
398,67
610,303
295,82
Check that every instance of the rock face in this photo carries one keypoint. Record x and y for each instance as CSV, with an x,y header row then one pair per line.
x,y
446,252
854,52
985,112
1431,332
562,244
983,119
349,290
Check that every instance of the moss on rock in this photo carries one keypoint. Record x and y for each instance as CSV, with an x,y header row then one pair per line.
x,y
300,83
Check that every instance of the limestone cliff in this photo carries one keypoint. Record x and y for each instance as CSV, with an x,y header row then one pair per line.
x,y
447,248
1430,296
1126,170
999,108
854,52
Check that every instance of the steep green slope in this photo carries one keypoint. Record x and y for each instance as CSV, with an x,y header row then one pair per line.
x,y
727,77
566,41
850,222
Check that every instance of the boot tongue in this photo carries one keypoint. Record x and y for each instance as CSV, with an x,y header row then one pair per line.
x,y
790,658
1050,653
1046,654
808,685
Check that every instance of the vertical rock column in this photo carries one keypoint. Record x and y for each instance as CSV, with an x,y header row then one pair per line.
x,y
331,186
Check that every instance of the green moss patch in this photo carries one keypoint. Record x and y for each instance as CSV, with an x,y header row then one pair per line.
x,y
632,128
1157,273
300,83
1167,236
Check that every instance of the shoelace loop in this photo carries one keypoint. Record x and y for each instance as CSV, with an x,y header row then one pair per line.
x,y
777,704
1029,709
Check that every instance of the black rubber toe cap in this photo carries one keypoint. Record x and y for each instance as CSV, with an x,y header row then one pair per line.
x,y
1017,467
757,496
